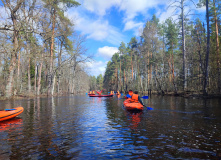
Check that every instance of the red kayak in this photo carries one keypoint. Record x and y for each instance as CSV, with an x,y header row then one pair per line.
x,y
132,106
91,94
109,95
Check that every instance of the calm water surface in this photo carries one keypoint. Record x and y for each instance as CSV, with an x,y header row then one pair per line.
x,y
80,127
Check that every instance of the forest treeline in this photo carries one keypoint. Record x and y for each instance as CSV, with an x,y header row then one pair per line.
x,y
175,56
40,51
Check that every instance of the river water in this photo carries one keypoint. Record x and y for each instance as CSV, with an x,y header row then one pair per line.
x,y
82,127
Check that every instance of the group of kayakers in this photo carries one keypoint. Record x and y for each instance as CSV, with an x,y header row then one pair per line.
x,y
91,92
133,96
117,93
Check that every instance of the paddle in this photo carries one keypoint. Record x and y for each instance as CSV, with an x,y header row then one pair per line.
x,y
145,97
149,108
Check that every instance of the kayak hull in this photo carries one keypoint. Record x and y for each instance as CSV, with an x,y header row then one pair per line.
x,y
109,95
10,113
91,94
133,106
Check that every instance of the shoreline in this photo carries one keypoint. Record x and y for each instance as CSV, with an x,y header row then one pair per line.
x,y
179,94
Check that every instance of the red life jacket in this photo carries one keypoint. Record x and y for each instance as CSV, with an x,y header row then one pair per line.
x,y
134,98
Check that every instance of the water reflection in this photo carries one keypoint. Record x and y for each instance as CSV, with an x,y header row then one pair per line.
x,y
82,127
135,118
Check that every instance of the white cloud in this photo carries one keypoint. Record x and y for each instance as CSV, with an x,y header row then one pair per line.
x,y
135,7
96,68
97,29
170,12
100,6
132,25
131,9
107,52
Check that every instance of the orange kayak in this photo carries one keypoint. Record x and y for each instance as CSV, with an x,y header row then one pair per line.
x,y
10,113
132,106
109,95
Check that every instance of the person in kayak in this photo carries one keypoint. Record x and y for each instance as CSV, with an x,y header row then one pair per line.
x,y
99,92
135,98
130,93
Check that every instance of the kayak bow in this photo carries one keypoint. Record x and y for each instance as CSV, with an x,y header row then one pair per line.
x,y
10,113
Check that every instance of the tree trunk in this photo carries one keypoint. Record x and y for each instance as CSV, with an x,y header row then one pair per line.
x,y
8,91
39,77
10,78
53,84
120,75
148,69
59,67
151,69
51,54
205,92
35,80
18,71
131,66
29,76
217,48
184,51
174,84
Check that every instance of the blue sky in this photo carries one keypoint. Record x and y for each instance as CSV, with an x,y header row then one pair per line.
x,y
106,23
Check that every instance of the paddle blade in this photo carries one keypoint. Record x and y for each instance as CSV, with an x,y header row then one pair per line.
x,y
145,97
149,108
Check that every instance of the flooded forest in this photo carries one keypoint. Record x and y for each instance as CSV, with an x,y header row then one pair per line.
x,y
42,54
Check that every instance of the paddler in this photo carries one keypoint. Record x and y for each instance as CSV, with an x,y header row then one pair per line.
x,y
130,93
99,92
135,98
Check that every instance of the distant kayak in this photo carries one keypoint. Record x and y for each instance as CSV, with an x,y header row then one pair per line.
x,y
91,94
10,113
109,95
132,106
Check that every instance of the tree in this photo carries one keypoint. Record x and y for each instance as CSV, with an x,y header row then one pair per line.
x,y
207,50
172,39
56,13
14,27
